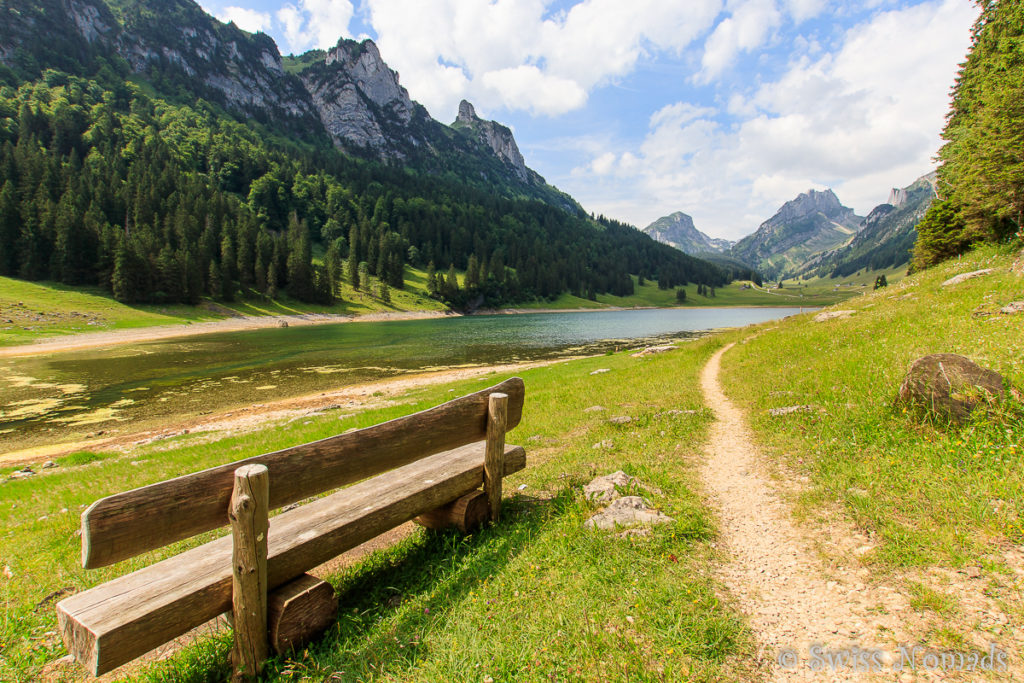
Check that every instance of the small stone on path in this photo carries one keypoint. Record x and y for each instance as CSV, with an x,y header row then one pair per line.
x,y
49,464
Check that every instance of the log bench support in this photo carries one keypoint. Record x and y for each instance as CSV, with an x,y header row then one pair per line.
x,y
429,466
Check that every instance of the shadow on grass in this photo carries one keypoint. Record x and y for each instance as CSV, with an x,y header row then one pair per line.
x,y
390,601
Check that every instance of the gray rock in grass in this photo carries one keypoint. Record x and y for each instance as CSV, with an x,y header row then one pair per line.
x,y
964,277
950,386
627,512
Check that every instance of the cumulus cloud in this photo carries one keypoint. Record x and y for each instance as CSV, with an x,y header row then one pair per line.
x,y
748,27
315,23
514,54
246,19
861,119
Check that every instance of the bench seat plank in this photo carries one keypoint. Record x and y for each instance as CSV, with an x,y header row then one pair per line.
x,y
111,624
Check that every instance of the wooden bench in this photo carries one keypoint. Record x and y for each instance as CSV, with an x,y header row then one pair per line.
x,y
429,464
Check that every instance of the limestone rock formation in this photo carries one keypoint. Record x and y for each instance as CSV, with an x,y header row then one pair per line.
x,y
813,222
950,386
361,102
496,136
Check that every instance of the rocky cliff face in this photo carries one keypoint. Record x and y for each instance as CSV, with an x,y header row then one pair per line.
x,y
813,222
677,230
885,237
361,103
348,95
496,136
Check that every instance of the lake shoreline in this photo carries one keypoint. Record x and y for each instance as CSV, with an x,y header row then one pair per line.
x,y
92,340
256,416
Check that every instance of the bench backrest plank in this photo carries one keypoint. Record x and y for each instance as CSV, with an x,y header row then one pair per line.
x,y
123,525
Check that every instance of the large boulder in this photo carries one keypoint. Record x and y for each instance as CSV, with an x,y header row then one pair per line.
x,y
950,385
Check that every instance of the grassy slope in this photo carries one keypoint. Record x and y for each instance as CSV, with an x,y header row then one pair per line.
x,y
927,494
537,596
41,309
731,295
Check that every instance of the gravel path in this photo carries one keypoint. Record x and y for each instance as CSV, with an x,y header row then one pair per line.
x,y
793,600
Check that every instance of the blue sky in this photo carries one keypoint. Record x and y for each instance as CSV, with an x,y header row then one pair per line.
x,y
723,109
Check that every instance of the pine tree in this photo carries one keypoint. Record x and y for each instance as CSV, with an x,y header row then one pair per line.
x,y
432,290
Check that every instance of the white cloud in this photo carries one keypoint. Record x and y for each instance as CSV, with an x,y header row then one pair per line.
x,y
246,19
315,23
511,54
527,86
802,10
861,119
749,26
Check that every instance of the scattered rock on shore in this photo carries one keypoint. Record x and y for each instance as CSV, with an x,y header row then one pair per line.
x,y
950,385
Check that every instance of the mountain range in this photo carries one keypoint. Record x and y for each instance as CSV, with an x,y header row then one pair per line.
x,y
150,149
814,234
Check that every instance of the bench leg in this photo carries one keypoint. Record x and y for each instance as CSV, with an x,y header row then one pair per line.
x,y
494,455
299,611
248,514
467,514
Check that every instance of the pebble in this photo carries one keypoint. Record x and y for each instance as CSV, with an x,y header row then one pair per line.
x,y
620,420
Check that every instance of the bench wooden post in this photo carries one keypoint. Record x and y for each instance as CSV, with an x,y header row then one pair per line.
x,y
494,467
249,525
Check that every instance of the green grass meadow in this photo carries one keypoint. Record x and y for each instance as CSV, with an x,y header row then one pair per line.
x,y
925,492
536,597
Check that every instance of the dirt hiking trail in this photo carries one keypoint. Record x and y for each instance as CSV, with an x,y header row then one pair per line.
x,y
792,599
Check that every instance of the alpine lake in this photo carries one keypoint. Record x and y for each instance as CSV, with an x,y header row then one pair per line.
x,y
75,395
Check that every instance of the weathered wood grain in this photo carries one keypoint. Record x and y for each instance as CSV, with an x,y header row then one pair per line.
x,y
299,611
497,418
126,524
467,514
117,621
249,525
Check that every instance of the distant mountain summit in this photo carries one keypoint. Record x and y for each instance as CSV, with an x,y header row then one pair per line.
x,y
677,230
886,236
813,222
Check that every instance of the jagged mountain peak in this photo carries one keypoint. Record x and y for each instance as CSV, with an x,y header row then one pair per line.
x,y
496,136
677,230
813,222
467,113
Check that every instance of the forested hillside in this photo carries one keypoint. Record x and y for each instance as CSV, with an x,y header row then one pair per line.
x,y
981,177
128,180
